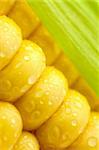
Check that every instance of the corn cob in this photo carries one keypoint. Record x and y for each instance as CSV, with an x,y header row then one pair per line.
x,y
27,141
30,25
80,103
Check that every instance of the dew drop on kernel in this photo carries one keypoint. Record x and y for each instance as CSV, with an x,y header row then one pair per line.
x,y
24,89
31,80
50,103
74,123
41,102
13,121
74,114
68,110
78,105
27,58
7,84
54,134
92,142
18,65
36,114
29,106
2,55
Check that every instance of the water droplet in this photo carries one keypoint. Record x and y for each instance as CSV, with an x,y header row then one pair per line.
x,y
31,80
45,81
74,123
24,88
2,55
79,105
36,114
47,93
81,130
54,134
27,58
50,103
74,114
92,141
13,121
39,93
64,137
41,102
18,65
68,110
29,106
7,84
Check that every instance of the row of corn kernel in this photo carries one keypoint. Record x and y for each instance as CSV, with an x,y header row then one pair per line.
x,y
59,115
15,64
30,25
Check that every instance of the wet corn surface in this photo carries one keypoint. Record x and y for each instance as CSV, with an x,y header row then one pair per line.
x,y
38,108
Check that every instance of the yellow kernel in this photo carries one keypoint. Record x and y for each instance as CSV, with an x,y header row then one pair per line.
x,y
21,74
63,128
10,125
89,139
10,40
43,99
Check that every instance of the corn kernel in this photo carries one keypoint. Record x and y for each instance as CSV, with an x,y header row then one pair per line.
x,y
44,98
10,40
23,71
10,126
65,126
89,139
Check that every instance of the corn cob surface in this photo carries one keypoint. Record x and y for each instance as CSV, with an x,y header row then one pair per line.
x,y
69,122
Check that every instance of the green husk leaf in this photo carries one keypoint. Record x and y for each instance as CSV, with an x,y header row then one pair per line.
x,y
74,25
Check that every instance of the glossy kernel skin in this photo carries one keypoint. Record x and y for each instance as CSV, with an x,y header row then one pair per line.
x,y
65,126
5,6
26,141
89,139
10,40
10,125
44,98
23,71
